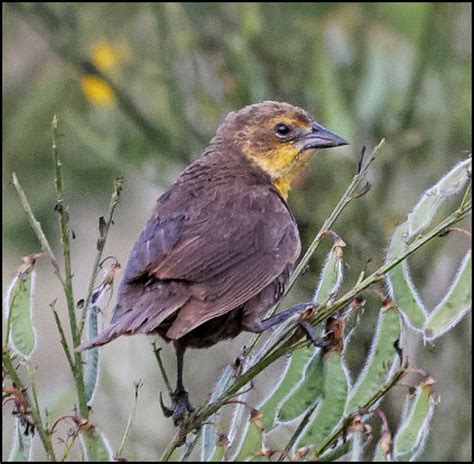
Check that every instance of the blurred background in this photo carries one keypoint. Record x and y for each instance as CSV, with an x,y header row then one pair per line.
x,y
139,90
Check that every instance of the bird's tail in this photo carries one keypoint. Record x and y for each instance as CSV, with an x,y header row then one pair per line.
x,y
110,333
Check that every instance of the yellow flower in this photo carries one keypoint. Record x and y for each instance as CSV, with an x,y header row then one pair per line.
x,y
97,90
103,55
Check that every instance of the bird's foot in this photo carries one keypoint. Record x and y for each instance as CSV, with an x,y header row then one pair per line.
x,y
304,322
315,339
181,407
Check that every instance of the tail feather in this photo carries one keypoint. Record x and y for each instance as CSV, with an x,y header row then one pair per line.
x,y
141,311
110,333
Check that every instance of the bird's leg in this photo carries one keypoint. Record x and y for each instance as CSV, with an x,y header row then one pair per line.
x,y
180,398
260,326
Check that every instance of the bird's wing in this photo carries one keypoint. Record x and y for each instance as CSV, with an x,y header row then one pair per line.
x,y
227,252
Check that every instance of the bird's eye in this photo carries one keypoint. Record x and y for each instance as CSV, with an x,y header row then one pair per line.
x,y
282,130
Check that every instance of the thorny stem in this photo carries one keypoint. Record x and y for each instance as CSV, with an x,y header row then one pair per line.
x,y
289,341
103,233
34,410
68,290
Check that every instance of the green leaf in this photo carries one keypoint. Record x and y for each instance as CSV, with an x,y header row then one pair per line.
x,y
20,303
95,445
92,361
357,446
455,303
218,454
208,443
253,441
220,450
331,276
330,411
307,392
379,361
303,395
292,375
399,282
423,213
455,179
21,450
411,435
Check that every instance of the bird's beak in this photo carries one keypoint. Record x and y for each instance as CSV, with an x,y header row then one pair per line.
x,y
319,137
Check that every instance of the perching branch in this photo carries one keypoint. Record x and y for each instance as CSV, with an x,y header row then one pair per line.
x,y
291,339
103,233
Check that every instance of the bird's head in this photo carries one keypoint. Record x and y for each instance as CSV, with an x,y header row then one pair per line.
x,y
277,137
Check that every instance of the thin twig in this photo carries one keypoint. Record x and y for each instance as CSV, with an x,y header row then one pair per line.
x,y
62,338
35,224
70,443
162,368
131,417
103,233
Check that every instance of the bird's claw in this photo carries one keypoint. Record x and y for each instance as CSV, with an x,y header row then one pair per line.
x,y
167,412
181,406
311,334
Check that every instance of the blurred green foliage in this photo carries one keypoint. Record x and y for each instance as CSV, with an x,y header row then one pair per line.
x,y
365,70
368,71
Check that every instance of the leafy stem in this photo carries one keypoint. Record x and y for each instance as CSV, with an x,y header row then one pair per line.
x,y
291,339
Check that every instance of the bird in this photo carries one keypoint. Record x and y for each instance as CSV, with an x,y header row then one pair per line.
x,y
221,244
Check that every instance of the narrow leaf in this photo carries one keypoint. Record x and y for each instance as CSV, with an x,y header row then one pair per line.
x,y
330,410
92,362
455,179
302,396
455,303
380,359
95,445
20,303
307,392
209,438
399,282
253,441
357,446
290,378
97,303
423,213
411,435
220,450
331,276
21,450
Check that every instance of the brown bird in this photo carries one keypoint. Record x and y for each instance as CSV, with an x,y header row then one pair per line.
x,y
221,243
